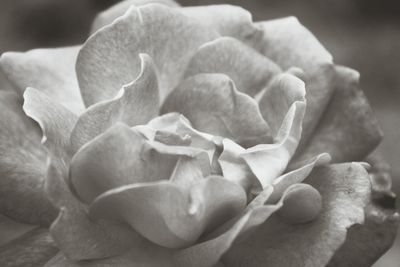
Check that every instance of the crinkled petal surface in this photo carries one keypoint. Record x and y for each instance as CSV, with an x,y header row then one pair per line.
x,y
108,16
212,104
22,165
348,130
249,70
122,156
290,44
50,70
137,103
345,190
109,58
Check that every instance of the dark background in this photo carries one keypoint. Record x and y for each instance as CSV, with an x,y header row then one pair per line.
x,y
362,34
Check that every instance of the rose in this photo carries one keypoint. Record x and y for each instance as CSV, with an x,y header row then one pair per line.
x,y
229,143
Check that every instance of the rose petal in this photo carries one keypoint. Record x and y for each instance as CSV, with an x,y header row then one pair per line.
x,y
22,165
50,70
268,161
345,190
249,70
228,20
119,157
108,16
281,183
137,103
213,105
55,120
290,44
276,100
109,58
348,130
75,234
168,215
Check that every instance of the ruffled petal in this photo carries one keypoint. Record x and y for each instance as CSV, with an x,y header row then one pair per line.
x,y
75,234
348,130
121,156
268,161
249,70
213,105
55,120
137,103
290,44
108,16
168,215
109,58
345,191
22,165
227,20
278,97
50,70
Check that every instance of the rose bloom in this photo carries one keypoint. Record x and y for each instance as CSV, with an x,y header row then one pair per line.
x,y
193,137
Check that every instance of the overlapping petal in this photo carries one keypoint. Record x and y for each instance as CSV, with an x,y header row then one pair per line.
x,y
249,70
290,44
345,189
137,103
109,15
348,129
50,70
108,60
200,98
22,165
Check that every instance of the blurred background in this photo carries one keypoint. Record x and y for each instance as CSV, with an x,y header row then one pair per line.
x,y
362,34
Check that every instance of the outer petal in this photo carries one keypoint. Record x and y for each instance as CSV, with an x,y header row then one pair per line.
x,y
290,44
249,70
50,70
212,103
75,234
348,130
109,59
228,20
137,103
345,190
170,215
22,165
108,16
55,120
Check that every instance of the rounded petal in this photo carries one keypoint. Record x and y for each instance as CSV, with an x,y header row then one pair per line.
x,y
50,70
109,58
213,105
168,215
137,103
249,70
